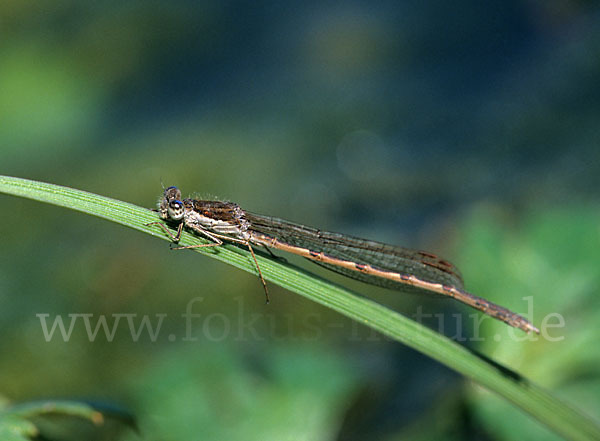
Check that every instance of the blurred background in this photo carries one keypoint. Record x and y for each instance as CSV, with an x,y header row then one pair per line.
x,y
467,129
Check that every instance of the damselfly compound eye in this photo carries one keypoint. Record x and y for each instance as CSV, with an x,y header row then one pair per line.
x,y
172,193
176,210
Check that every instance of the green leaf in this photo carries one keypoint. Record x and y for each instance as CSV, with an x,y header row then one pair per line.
x,y
533,399
14,428
56,407
15,420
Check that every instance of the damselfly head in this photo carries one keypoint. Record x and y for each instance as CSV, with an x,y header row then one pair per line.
x,y
170,206
175,210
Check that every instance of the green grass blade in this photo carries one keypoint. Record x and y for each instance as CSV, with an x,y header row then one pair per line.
x,y
538,402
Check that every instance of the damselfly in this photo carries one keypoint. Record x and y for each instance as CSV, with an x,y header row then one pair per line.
x,y
366,260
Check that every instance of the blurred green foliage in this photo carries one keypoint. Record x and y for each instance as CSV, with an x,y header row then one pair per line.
x,y
550,255
213,392
468,130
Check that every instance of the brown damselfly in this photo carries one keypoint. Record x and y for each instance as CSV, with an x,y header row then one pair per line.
x,y
366,260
